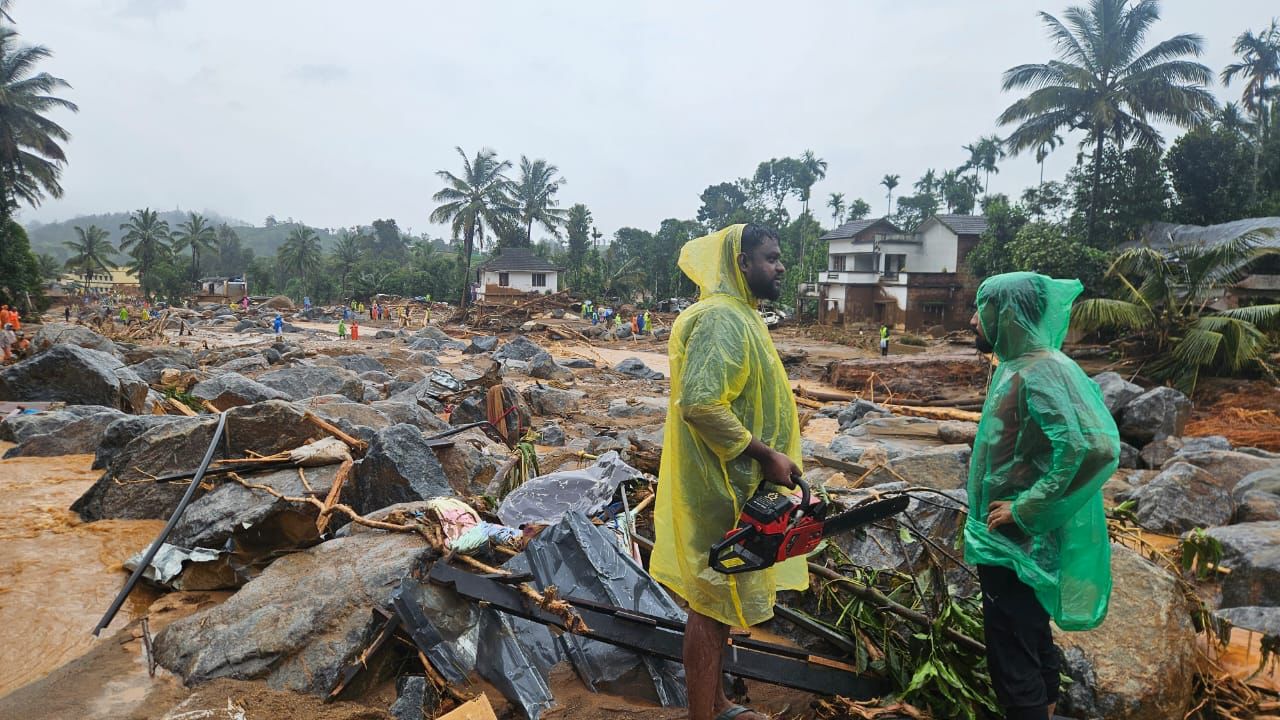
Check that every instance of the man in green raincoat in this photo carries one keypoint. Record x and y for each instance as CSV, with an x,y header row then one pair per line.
x,y
1036,528
731,425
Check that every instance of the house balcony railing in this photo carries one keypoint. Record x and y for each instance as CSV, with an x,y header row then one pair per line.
x,y
843,277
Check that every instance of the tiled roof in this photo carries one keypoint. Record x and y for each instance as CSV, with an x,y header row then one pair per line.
x,y
854,227
964,224
517,260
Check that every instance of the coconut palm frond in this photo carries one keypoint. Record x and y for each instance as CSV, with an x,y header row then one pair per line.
x,y
1243,344
1098,313
1264,317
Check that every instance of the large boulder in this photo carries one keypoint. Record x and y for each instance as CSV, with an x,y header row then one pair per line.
x,y
300,622
626,408
52,334
854,411
79,436
481,344
77,376
232,389
636,368
519,348
360,363
1257,496
1259,619
1225,466
1157,412
151,369
474,408
121,432
1252,551
304,382
338,407
399,467
543,367
20,428
403,412
1160,451
1116,391
470,461
1140,664
1180,498
127,490
941,468
955,432
175,356
552,401
247,364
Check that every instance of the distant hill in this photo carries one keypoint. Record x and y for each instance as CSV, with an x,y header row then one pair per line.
x,y
49,237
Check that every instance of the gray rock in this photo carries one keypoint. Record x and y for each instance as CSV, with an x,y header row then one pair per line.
x,y
941,468
1160,451
954,432
1130,456
127,491
1259,619
1266,480
231,389
149,370
375,376
602,444
121,432
481,344
79,436
470,462
244,325
1140,664
551,435
1201,444
415,698
1157,412
624,408
360,363
20,428
77,376
52,334
1116,391
271,355
434,333
1252,551
846,448
543,367
399,467
1257,506
175,356
636,368
854,412
302,620
338,407
1226,466
474,409
250,363
1180,498
425,358
304,382
579,364
622,332
384,335
412,413
519,348
552,401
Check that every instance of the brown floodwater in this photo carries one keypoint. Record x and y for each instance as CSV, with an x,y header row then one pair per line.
x,y
57,573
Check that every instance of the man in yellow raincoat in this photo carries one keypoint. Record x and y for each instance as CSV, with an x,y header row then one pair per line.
x,y
731,424
1036,528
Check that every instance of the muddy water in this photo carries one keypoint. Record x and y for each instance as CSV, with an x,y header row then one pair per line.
x,y
57,574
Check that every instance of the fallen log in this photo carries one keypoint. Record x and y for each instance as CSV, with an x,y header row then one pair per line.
x,y
356,444
934,413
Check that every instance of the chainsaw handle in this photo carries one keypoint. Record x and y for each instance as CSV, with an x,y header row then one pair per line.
x,y
729,539
804,497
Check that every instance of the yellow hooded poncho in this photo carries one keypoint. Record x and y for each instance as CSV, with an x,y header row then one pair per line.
x,y
727,386
1048,443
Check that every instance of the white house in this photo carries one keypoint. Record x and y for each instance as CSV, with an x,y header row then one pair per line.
x,y
515,271
877,273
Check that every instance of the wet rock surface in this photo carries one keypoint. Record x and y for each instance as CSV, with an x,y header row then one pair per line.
x,y
1252,551
299,383
231,389
399,467
636,368
52,334
1154,414
81,435
1117,392
76,376
1180,498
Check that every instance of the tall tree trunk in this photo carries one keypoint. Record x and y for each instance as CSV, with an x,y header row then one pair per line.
x,y
468,237
528,234
1260,128
1095,193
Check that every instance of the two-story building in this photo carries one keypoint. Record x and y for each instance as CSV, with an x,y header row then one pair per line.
x,y
516,272
878,273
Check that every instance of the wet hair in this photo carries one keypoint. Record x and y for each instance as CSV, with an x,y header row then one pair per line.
x,y
754,235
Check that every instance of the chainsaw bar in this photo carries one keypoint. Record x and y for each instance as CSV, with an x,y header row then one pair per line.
x,y
864,515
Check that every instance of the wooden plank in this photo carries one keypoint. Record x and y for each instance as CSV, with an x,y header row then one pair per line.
x,y
354,443
181,407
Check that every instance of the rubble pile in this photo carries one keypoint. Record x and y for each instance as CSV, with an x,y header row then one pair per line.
x,y
410,508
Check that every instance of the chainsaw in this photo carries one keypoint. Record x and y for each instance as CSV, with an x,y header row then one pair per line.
x,y
775,526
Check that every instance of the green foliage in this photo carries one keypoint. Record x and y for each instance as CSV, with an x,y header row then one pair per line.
x,y
147,240
479,198
92,251
19,268
1046,248
858,209
915,209
723,205
1004,220
1200,552
1131,191
198,235
300,253
534,194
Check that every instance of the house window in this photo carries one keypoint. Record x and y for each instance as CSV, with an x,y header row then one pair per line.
x,y
864,262
539,279
934,311
893,264
504,279
837,263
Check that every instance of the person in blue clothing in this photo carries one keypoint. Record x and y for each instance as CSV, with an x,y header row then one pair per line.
x,y
278,324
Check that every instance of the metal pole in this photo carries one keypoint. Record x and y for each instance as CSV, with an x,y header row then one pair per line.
x,y
168,528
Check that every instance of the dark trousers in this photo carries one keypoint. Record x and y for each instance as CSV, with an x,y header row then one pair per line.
x,y
1023,660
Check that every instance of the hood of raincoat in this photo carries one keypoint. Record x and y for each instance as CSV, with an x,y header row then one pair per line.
x,y
711,261
1024,312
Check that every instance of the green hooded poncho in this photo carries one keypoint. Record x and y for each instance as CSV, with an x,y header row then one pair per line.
x,y
1048,443
727,385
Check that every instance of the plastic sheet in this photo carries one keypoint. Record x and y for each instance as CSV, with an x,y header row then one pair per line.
x,y
503,661
178,568
545,499
585,562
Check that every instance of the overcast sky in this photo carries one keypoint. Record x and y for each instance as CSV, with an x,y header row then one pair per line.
x,y
336,113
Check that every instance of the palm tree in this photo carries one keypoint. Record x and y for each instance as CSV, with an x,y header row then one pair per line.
x,y
48,266
990,152
835,201
813,169
890,182
1046,146
1165,296
535,198
345,256
196,233
91,249
31,158
146,239
300,251
1259,63
928,183
471,202
1103,83
1231,119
